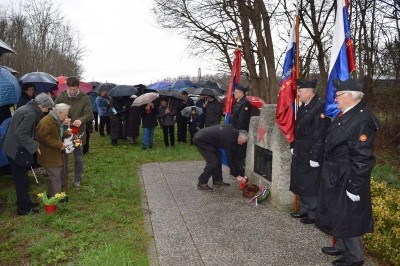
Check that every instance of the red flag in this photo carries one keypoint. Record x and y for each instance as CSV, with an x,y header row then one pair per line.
x,y
285,109
235,79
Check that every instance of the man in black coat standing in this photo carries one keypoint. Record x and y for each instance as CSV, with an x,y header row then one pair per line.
x,y
308,150
208,140
344,204
181,120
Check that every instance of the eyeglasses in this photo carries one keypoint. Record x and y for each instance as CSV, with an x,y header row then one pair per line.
x,y
337,96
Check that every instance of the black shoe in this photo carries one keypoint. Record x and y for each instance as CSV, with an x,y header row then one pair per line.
x,y
34,204
344,262
114,142
298,214
221,183
307,220
204,187
30,211
331,251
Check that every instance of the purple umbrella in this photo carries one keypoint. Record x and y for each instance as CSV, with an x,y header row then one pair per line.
x,y
160,86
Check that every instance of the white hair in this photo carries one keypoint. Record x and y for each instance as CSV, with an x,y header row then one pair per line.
x,y
244,134
356,95
61,107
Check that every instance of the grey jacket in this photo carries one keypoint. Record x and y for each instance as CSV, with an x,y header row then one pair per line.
x,y
22,129
167,119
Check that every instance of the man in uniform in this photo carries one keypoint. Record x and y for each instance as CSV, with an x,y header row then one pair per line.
x,y
344,206
208,140
308,149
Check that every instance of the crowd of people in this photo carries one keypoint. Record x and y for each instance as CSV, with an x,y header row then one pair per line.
x,y
331,158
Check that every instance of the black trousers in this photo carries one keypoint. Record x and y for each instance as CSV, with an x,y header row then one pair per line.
x,y
21,181
169,130
182,132
104,122
213,164
96,121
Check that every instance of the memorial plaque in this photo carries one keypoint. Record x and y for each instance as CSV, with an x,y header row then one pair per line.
x,y
263,162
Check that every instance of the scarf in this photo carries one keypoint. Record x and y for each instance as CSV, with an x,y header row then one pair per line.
x,y
59,123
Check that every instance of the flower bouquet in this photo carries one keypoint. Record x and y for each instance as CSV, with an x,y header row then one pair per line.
x,y
73,142
51,203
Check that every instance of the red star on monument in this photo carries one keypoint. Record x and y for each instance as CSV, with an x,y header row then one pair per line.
x,y
261,132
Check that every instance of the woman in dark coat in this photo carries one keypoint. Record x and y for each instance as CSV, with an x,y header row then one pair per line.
x,y
117,111
21,135
133,121
27,94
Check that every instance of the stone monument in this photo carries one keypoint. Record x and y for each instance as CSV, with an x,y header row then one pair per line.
x,y
268,158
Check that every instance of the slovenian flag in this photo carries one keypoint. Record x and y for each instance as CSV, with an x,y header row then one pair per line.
x,y
342,57
285,109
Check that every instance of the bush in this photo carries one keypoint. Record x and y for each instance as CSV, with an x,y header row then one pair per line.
x,y
384,242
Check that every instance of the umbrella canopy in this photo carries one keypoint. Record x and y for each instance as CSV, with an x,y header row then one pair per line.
x,y
61,79
10,91
255,101
83,86
105,87
122,90
145,98
160,86
206,91
94,83
171,93
4,48
188,110
10,69
43,82
209,84
182,84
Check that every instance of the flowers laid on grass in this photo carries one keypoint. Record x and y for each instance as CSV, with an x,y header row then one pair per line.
x,y
53,200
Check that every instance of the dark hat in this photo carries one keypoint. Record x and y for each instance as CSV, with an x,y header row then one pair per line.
x,y
241,88
307,84
348,85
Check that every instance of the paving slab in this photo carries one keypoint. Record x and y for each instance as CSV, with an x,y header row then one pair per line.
x,y
192,227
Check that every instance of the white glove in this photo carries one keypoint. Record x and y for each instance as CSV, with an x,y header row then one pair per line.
x,y
291,151
353,197
314,163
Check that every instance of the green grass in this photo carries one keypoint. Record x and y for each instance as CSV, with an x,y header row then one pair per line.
x,y
103,222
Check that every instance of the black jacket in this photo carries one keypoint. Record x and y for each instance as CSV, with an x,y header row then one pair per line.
x,y
310,131
241,114
348,161
221,136
213,113
179,117
149,118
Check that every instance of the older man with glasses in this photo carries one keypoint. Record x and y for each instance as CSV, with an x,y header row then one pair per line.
x,y
344,204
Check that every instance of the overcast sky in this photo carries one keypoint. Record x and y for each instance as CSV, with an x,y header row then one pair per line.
x,y
124,45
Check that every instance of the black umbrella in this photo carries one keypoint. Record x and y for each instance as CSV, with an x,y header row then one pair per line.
x,y
209,84
94,83
171,93
122,90
105,87
43,82
206,91
4,48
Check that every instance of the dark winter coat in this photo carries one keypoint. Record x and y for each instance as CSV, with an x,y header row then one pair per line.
x,y
167,119
149,117
24,99
133,121
241,114
22,130
221,136
182,105
310,131
213,113
348,161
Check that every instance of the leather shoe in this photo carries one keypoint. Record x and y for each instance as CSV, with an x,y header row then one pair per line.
x,y
332,251
204,187
307,220
344,262
221,183
26,212
298,214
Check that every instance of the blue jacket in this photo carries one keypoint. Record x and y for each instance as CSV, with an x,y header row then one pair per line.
x,y
102,106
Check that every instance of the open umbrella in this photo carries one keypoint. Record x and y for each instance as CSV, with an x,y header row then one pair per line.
x,y
10,90
188,110
61,79
209,84
256,101
145,98
206,91
4,48
122,90
13,71
83,86
43,82
182,84
171,93
105,87
160,85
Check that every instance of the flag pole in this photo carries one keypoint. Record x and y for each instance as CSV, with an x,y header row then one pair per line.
x,y
297,72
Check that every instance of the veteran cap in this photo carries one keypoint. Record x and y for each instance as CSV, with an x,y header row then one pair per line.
x,y
241,88
307,84
348,85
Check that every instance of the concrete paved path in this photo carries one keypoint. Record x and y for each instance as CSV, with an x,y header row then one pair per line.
x,y
192,227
